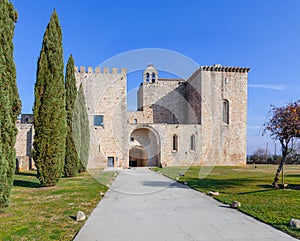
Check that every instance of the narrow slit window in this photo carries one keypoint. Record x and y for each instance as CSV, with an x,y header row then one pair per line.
x,y
175,143
192,142
226,111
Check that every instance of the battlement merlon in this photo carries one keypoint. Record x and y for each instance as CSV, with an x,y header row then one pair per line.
x,y
220,68
97,70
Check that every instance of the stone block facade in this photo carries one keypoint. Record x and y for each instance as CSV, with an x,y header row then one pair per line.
x,y
24,141
198,121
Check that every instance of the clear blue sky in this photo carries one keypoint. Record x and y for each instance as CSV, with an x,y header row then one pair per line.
x,y
261,34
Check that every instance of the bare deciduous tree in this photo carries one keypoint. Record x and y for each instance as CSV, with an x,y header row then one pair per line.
x,y
284,125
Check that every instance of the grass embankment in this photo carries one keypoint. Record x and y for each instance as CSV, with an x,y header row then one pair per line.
x,y
47,213
250,185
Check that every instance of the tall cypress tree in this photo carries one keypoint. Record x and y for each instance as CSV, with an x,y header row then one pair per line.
x,y
49,107
85,132
10,104
81,132
71,158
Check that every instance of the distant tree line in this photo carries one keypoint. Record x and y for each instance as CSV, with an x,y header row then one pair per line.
x,y
260,156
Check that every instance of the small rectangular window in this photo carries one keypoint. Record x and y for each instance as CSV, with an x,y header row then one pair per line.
x,y
98,120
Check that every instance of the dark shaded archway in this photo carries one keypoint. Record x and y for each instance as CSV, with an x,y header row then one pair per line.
x,y
138,157
145,147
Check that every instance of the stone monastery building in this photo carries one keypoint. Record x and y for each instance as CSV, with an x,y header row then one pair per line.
x,y
198,121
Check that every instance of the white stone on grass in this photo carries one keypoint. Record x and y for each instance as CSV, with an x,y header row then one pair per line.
x,y
235,204
295,223
213,193
80,216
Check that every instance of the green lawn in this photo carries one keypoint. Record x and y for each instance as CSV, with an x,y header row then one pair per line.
x,y
47,213
249,185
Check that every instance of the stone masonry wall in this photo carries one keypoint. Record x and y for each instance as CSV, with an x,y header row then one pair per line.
x,y
105,93
194,98
23,146
225,144
163,101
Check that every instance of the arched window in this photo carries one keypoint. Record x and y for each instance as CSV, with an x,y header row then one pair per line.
x,y
226,111
135,121
175,143
192,142
147,77
153,77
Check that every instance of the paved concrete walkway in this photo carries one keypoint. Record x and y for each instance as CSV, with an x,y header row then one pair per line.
x,y
142,205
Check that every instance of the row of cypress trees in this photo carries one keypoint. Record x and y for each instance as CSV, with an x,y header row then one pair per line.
x,y
59,111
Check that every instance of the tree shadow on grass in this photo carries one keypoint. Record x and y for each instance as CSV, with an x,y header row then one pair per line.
x,y
290,186
257,191
22,183
294,187
217,184
31,174
292,175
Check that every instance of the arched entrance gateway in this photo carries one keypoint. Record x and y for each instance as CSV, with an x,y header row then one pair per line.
x,y
144,147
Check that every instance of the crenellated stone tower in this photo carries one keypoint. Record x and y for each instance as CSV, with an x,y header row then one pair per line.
x,y
105,95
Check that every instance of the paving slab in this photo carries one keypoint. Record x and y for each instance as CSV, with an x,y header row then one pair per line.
x,y
142,205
